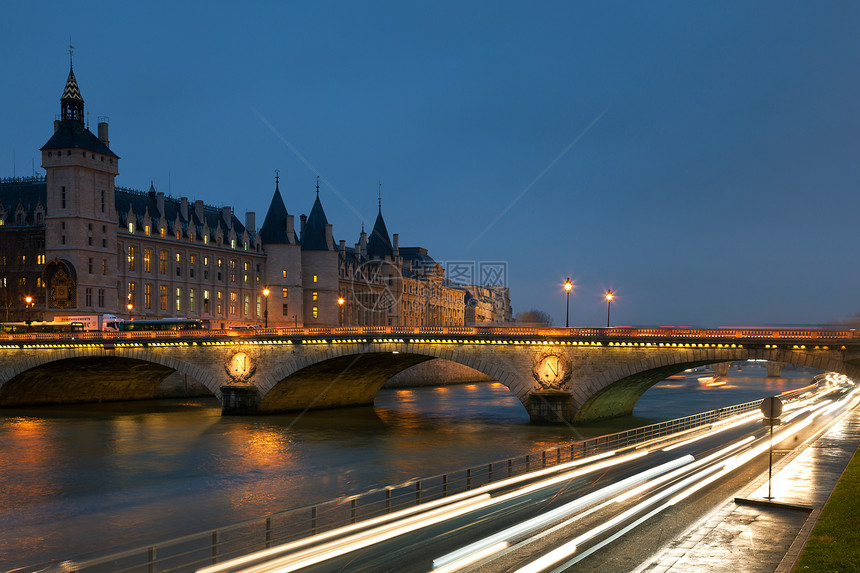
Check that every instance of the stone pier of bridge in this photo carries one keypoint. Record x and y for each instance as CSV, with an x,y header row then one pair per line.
x,y
557,379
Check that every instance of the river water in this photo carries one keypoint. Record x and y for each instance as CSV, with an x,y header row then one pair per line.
x,y
90,479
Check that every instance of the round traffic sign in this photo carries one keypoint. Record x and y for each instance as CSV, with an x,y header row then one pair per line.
x,y
771,407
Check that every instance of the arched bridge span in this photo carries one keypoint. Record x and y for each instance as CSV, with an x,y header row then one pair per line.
x,y
558,374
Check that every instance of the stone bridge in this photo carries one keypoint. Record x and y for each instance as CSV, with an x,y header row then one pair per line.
x,y
559,374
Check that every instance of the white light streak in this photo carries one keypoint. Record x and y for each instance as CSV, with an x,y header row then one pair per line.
x,y
540,521
473,558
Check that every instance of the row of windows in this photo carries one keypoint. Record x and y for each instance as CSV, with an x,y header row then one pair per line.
x,y
22,260
21,282
209,307
162,231
21,218
164,259
69,152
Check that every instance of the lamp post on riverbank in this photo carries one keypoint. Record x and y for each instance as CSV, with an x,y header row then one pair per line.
x,y
29,303
609,297
567,287
266,307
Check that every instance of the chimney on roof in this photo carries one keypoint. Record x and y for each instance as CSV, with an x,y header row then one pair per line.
x,y
103,133
198,210
291,229
159,202
329,237
343,246
227,215
251,221
56,125
362,243
396,237
183,208
303,219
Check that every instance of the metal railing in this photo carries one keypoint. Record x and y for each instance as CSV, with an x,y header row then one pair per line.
x,y
197,550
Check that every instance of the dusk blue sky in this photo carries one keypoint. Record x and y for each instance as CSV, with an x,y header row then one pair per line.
x,y
699,158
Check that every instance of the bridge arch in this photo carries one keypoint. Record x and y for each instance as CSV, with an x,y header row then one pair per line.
x,y
91,374
347,376
619,388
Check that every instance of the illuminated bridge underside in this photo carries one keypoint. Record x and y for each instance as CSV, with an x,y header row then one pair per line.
x,y
619,398
559,375
81,380
352,380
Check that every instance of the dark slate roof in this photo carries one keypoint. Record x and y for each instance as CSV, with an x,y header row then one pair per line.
x,y
379,241
72,135
142,203
29,191
274,229
314,235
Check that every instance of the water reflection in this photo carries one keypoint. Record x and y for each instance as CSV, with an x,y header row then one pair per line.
x,y
127,474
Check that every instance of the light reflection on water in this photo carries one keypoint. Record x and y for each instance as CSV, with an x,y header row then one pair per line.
x,y
97,478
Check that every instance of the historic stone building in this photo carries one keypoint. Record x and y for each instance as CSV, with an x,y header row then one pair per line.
x,y
78,244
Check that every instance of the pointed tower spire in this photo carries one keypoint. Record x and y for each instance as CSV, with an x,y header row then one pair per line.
x,y
315,236
276,227
379,244
71,102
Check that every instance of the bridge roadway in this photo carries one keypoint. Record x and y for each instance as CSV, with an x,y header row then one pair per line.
x,y
559,374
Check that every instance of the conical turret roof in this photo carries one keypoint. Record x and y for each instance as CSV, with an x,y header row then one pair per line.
x,y
274,229
314,234
379,242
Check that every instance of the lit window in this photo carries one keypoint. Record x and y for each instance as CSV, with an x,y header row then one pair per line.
x,y
232,243
205,239
314,296
131,228
146,230
315,278
315,312
285,273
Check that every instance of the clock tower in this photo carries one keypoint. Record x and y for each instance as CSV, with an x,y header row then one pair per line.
x,y
80,222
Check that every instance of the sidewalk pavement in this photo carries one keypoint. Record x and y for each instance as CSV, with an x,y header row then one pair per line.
x,y
743,537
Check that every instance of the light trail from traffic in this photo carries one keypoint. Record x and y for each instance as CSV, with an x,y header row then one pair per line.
x,y
627,490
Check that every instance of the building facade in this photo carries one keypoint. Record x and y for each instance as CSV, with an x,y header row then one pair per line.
x,y
78,244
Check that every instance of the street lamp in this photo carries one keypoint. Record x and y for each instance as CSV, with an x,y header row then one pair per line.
x,y
609,297
340,302
567,286
29,301
130,307
266,292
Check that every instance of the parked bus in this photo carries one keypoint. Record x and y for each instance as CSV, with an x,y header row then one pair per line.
x,y
46,326
163,324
